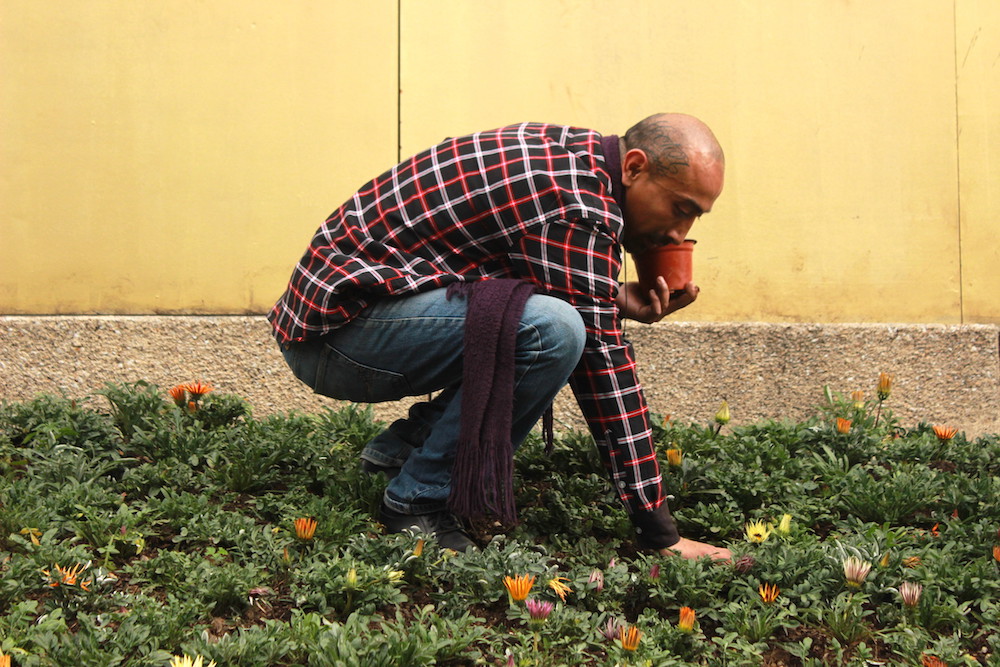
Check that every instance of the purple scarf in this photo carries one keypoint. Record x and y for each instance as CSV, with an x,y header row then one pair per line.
x,y
482,479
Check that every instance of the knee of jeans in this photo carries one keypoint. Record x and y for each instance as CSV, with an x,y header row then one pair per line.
x,y
559,326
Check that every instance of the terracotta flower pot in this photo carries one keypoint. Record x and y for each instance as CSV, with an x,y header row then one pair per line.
x,y
673,262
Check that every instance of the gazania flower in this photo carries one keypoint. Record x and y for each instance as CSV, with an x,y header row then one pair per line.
x,y
597,578
419,548
911,561
305,528
910,592
843,425
744,563
518,586
654,571
884,386
757,531
768,593
996,553
538,610
559,585
686,621
178,395
629,637
932,661
675,457
198,389
722,416
855,571
945,433
4,660
785,525
611,629
859,399
351,578
885,560
67,576
187,661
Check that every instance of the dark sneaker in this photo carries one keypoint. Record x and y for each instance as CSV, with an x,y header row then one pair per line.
x,y
390,472
443,525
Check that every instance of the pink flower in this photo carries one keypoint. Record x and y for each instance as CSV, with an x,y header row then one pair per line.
x,y
538,610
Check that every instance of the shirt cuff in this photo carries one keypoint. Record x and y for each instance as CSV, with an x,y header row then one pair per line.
x,y
655,529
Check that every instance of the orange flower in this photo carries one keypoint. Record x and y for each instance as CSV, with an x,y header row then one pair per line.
x,y
911,562
519,586
558,584
419,548
768,592
68,576
686,622
945,433
4,660
996,553
179,395
630,638
884,386
198,389
305,528
675,456
932,661
843,425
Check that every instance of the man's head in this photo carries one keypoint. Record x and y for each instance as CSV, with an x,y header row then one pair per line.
x,y
672,171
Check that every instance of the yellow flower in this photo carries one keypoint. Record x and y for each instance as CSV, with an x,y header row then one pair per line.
x,y
945,433
911,562
558,584
884,386
757,532
768,592
785,525
859,399
843,425
675,456
351,578
722,416
519,586
187,661
885,560
305,528
686,622
630,637
4,660
419,549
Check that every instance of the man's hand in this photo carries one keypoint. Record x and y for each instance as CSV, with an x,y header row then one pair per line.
x,y
654,305
694,550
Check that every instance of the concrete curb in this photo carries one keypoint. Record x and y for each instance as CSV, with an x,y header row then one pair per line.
x,y
944,374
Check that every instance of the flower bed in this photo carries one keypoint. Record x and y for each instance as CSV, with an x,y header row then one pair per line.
x,y
140,527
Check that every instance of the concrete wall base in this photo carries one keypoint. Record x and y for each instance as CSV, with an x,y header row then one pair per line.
x,y
944,374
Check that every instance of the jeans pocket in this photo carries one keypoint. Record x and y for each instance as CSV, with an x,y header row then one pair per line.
x,y
338,376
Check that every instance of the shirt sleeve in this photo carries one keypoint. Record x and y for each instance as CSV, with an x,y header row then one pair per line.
x,y
579,261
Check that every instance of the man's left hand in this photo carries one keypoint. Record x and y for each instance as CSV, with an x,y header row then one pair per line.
x,y
654,305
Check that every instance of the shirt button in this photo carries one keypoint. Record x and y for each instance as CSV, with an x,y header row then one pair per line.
x,y
621,485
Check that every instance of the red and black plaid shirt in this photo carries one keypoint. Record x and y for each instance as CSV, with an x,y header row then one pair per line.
x,y
527,201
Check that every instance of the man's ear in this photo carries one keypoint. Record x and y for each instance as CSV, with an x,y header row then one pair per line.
x,y
634,163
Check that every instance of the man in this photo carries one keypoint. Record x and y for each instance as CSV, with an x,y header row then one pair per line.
x,y
367,315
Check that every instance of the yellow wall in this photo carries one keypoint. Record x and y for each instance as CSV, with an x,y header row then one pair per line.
x,y
176,156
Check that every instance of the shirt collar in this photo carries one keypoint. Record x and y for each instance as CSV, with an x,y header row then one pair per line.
x,y
613,161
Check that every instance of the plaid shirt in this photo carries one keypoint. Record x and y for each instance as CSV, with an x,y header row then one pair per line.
x,y
528,201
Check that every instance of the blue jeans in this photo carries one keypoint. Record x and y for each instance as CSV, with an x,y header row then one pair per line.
x,y
412,346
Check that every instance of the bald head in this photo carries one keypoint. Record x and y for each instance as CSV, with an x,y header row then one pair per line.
x,y
673,141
